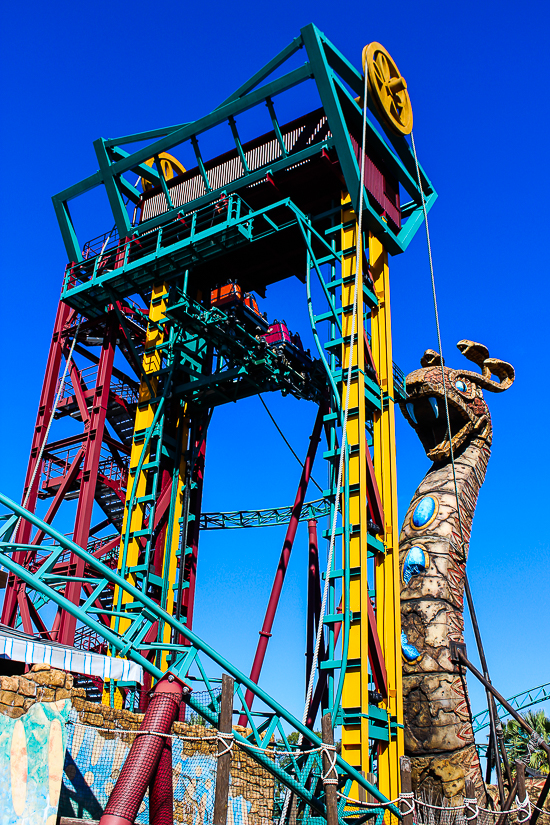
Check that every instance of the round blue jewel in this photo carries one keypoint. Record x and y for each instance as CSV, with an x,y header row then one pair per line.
x,y
423,511
415,563
460,385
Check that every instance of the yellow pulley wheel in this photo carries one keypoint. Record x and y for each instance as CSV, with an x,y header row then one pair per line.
x,y
388,88
171,167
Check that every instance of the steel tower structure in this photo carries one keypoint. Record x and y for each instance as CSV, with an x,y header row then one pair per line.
x,y
284,205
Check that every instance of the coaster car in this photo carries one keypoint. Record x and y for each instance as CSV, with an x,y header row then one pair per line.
x,y
242,305
279,337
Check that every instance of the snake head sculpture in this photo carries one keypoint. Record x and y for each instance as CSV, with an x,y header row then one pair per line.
x,y
469,416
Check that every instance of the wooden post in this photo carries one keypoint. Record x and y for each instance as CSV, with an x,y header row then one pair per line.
x,y
541,800
330,775
406,788
223,769
373,779
471,810
522,793
293,807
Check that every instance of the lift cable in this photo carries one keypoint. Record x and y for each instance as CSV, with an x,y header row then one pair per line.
x,y
471,608
358,255
281,433
358,258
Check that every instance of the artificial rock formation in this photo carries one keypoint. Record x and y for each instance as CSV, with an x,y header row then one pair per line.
x,y
433,553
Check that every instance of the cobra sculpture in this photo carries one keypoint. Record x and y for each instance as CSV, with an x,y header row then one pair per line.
x,y
438,733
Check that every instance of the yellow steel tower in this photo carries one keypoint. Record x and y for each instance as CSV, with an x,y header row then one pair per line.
x,y
389,90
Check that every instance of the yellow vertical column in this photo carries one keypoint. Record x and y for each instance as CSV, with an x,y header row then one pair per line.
x,y
172,538
388,615
135,510
355,737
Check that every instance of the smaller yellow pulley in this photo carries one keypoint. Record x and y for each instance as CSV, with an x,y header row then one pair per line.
x,y
388,88
171,168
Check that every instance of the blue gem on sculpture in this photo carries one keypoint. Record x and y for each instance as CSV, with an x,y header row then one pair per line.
x,y
416,562
424,512
409,651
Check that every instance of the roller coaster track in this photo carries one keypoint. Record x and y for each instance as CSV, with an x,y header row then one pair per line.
x,y
527,699
301,773
263,518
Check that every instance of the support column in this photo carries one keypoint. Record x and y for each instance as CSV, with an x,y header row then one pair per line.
x,y
265,632
355,695
47,397
388,604
93,444
143,759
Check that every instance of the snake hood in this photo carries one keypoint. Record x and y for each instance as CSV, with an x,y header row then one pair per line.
x,y
469,416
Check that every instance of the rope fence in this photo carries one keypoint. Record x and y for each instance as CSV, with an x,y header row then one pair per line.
x,y
428,813
95,756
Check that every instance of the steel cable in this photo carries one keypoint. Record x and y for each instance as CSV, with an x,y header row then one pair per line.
x,y
288,444
358,257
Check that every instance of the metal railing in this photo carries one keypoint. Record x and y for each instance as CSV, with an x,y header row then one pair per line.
x,y
186,225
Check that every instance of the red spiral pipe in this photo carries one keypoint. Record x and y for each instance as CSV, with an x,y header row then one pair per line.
x,y
142,761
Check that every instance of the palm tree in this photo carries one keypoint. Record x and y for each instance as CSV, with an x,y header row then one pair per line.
x,y
517,740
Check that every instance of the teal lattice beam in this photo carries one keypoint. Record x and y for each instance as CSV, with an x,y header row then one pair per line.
x,y
127,644
263,518
520,701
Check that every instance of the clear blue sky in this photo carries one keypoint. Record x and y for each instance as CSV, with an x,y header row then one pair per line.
x,y
478,76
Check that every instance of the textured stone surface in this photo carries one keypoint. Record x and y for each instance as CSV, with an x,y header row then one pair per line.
x,y
42,683
438,732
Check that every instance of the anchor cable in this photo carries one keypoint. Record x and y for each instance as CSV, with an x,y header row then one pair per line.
x,y
469,598
358,257
288,444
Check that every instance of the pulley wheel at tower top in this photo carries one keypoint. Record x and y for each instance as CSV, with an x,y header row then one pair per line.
x,y
388,88
171,168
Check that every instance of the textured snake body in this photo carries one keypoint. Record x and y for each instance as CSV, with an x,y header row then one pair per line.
x,y
433,553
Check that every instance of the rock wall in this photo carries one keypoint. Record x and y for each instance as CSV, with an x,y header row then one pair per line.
x,y
41,684
98,739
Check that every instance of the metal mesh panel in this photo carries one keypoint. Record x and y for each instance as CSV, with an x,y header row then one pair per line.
x,y
143,758
95,757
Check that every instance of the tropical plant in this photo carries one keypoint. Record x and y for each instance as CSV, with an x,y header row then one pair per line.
x,y
519,746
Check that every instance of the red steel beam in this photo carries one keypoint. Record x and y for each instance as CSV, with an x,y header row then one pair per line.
x,y
195,505
66,483
94,440
47,397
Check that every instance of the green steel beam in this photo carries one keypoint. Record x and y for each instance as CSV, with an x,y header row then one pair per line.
x,y
520,701
220,115
116,201
140,169
150,134
270,517
67,230
128,646
261,75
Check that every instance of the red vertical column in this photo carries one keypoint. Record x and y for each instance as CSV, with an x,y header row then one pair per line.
x,y
194,508
65,623
47,397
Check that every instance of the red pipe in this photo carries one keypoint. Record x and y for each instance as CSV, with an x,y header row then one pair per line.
x,y
145,754
267,626
313,594
161,792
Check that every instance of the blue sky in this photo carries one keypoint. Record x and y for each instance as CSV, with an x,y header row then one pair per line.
x,y
477,75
